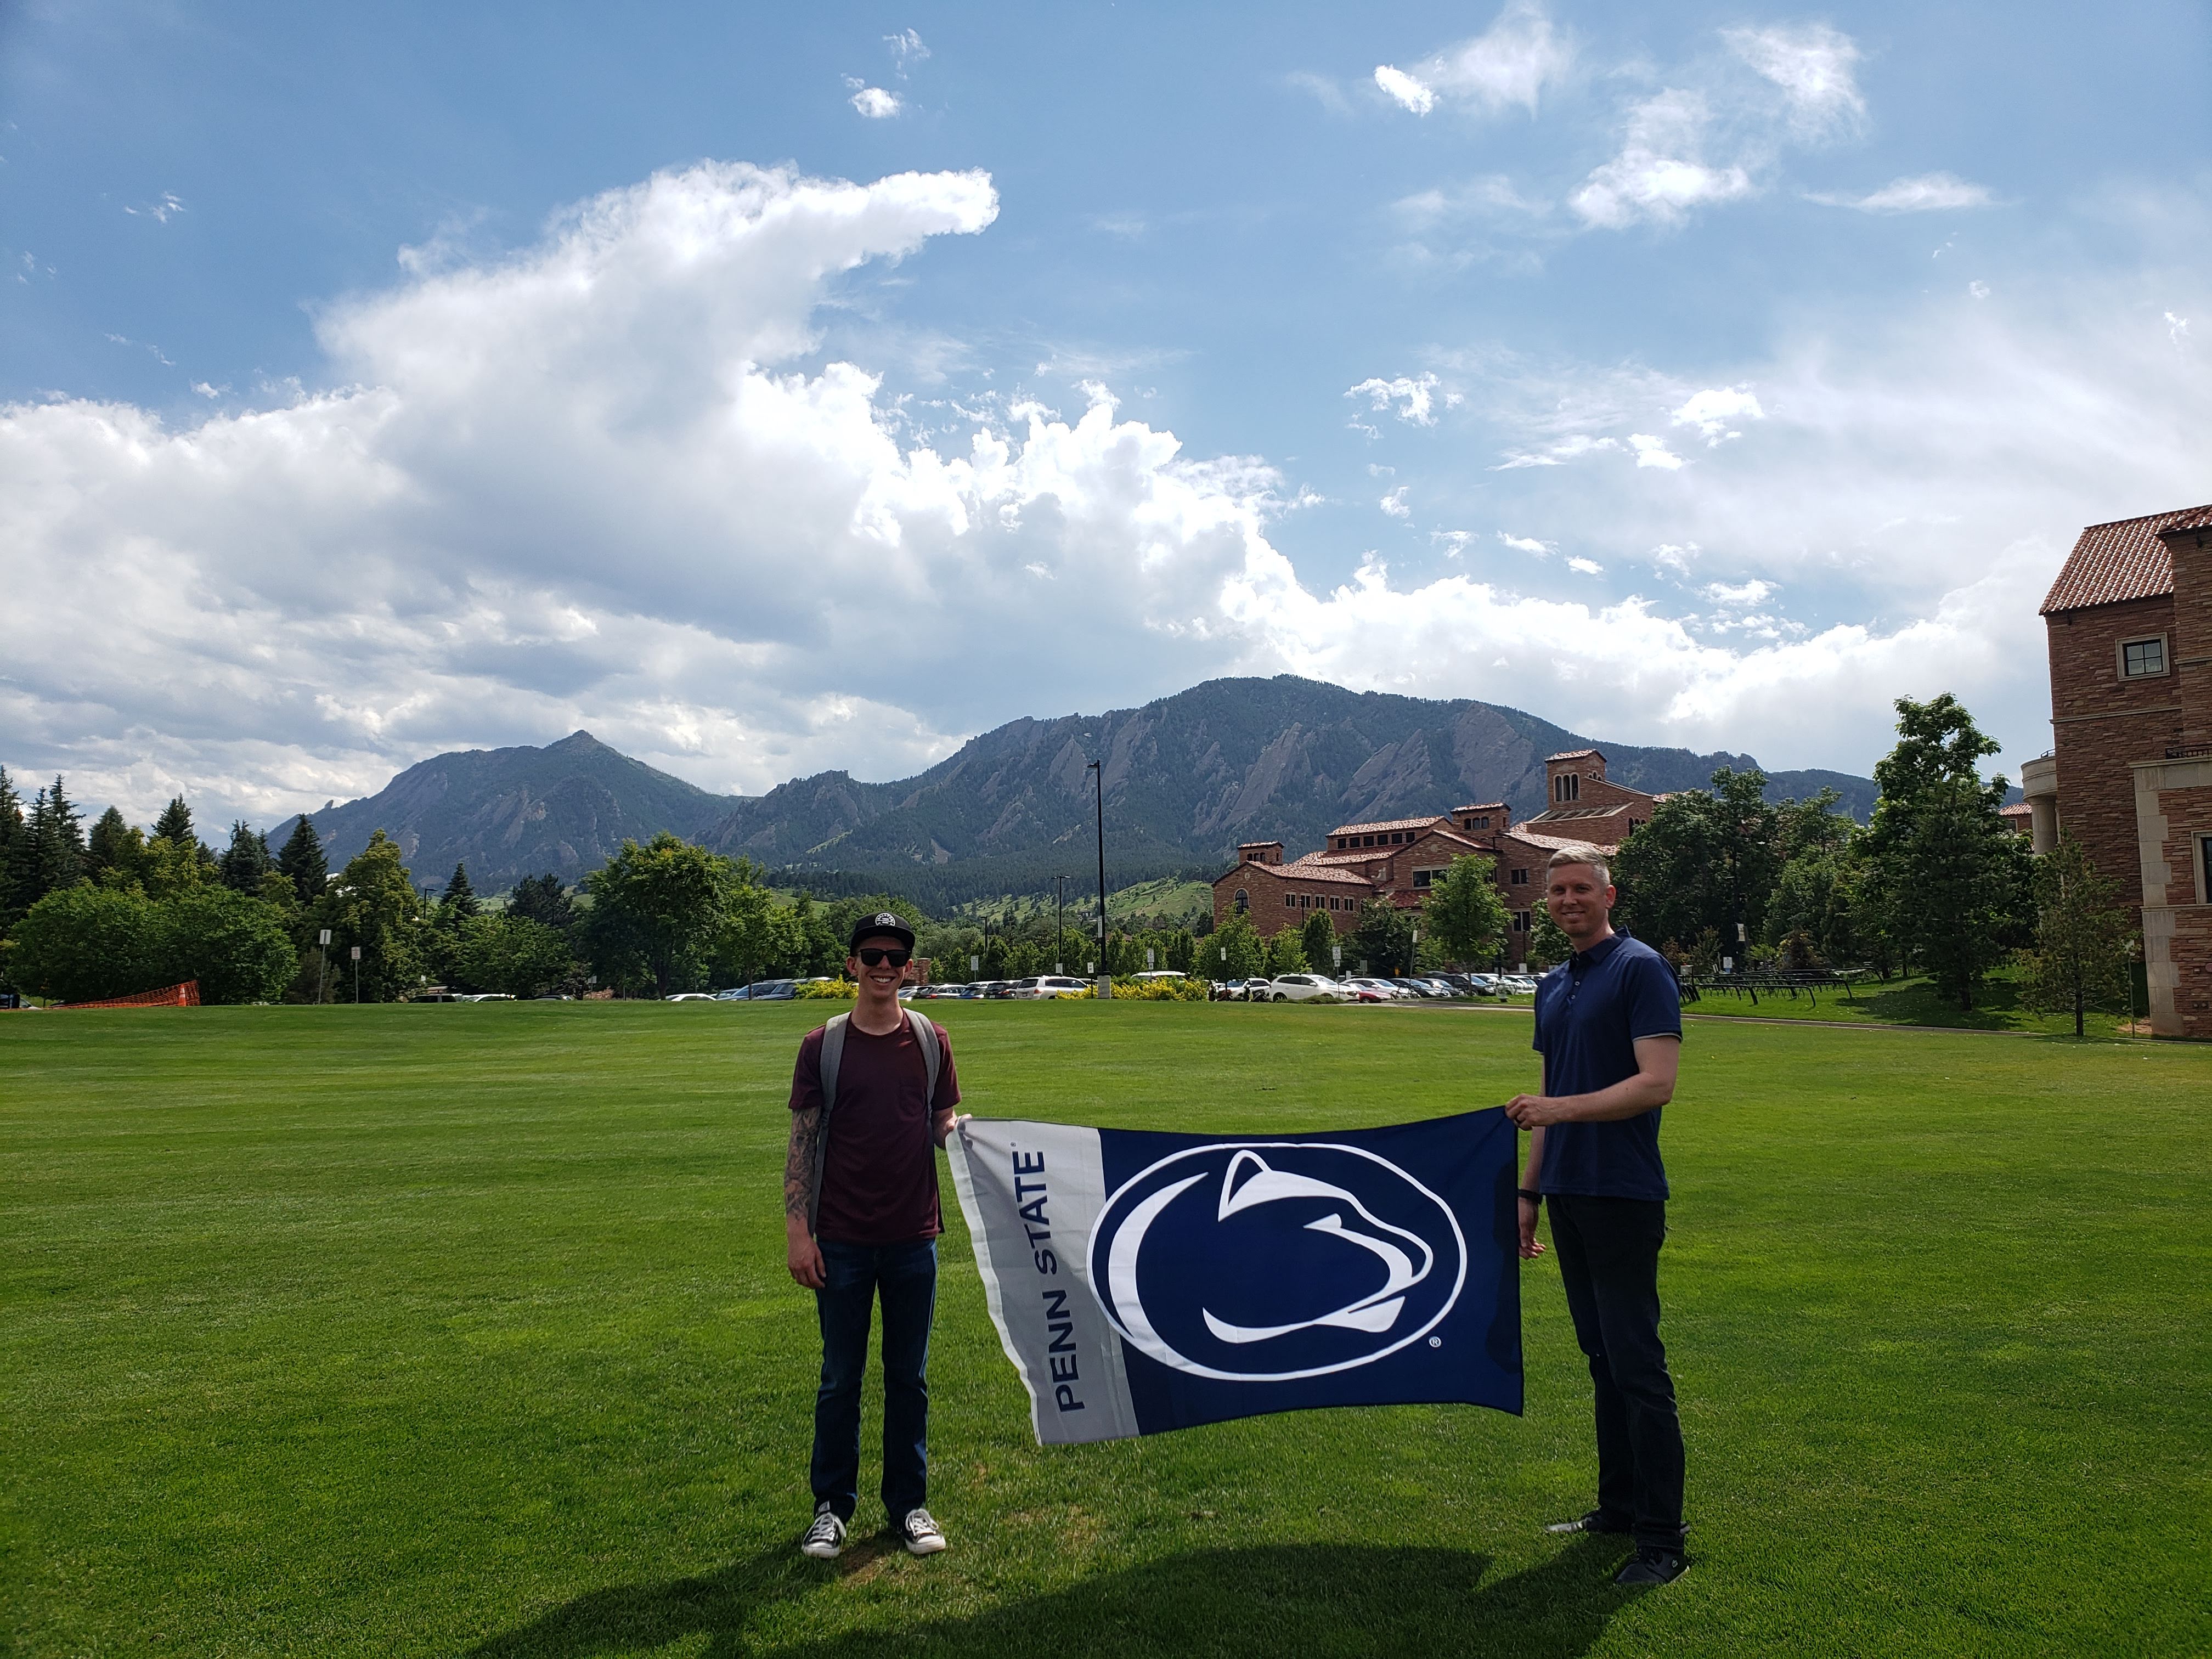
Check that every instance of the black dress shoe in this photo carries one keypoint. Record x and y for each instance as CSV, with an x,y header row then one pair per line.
x,y
1651,1566
1595,1521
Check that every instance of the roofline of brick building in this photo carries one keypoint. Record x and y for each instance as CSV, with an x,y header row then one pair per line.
x,y
2121,560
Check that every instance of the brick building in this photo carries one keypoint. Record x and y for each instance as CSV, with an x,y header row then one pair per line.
x,y
1395,860
2129,773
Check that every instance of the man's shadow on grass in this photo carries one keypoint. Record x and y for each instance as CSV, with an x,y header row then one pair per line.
x,y
1255,1603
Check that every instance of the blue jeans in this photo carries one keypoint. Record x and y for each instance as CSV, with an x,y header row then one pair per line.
x,y
905,1275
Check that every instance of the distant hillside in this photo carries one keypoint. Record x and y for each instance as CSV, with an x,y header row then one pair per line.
x,y
1187,778
508,813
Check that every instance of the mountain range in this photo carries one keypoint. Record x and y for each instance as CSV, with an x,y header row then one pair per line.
x,y
1186,779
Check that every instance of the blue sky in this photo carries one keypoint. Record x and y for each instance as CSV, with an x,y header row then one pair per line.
x,y
770,389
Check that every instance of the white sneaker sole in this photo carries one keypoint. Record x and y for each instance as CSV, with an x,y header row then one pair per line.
x,y
822,1552
929,1545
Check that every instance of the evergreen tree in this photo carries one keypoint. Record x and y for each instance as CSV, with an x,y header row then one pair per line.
x,y
2080,957
303,860
460,903
1318,940
541,899
175,823
113,845
15,854
245,861
56,845
1385,938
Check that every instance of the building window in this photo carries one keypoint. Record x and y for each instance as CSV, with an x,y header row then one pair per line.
x,y
1566,787
1290,901
1367,840
1243,901
1422,877
1520,878
2142,660
1521,921
2204,858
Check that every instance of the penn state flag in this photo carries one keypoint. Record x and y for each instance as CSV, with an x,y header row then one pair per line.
x,y
1142,1282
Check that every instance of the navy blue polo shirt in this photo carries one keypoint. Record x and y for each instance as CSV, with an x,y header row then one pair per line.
x,y
1590,1011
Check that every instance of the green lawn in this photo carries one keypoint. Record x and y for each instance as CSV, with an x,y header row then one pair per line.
x,y
1909,1000
465,1330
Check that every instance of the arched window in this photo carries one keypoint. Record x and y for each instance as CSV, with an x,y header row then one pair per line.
x,y
1243,901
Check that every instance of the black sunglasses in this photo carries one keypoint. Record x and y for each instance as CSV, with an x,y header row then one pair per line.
x,y
875,956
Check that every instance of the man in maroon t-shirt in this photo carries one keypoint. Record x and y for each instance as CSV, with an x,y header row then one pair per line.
x,y
871,1193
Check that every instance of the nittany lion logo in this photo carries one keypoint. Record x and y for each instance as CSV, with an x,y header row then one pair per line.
x,y
1264,1262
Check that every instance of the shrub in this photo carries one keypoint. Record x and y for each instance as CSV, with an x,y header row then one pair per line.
x,y
833,990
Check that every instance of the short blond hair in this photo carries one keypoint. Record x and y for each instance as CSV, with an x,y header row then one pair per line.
x,y
1582,853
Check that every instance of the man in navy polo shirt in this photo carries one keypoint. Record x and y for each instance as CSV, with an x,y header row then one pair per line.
x,y
1609,1026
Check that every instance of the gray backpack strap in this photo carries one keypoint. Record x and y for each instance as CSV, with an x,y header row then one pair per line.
x,y
833,1052
933,1055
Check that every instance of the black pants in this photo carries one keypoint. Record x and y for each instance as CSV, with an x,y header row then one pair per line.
x,y
1608,1251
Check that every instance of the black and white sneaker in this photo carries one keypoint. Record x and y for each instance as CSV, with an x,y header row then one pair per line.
x,y
825,1539
923,1534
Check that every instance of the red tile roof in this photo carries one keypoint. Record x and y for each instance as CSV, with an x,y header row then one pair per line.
x,y
1310,868
1375,829
2123,560
1572,753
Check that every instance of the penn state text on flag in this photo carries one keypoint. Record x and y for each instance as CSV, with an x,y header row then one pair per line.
x,y
1142,1281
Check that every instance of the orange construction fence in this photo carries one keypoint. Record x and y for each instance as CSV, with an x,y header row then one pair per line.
x,y
187,995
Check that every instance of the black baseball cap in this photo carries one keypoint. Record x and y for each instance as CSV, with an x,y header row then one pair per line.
x,y
883,922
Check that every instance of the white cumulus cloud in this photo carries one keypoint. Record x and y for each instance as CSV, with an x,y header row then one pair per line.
x,y
1660,175
1394,503
875,103
1506,67
1653,451
1714,411
1586,566
1415,397
1527,545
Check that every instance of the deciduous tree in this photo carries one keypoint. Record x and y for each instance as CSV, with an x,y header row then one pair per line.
x,y
654,912
2080,957
1317,938
1463,912
1385,937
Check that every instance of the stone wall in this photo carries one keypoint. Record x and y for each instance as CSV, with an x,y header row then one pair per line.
x,y
2101,724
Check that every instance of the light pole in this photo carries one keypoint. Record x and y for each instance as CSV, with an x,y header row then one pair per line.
x,y
357,976
322,962
1097,770
1060,929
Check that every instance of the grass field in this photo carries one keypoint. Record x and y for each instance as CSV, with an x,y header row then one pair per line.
x,y
465,1330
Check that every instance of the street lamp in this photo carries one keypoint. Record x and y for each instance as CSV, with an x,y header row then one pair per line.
x,y
322,961
1060,930
1097,770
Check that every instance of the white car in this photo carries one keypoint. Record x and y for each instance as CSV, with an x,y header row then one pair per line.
x,y
1381,987
1041,986
691,996
1298,987
1523,983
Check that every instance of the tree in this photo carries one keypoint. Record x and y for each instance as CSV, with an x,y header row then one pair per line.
x,y
175,823
303,860
113,845
1709,858
654,912
1548,947
85,943
1234,951
460,902
373,905
513,954
1283,954
1463,912
1317,938
1385,937
542,899
15,854
747,939
56,845
245,862
1955,880
2080,957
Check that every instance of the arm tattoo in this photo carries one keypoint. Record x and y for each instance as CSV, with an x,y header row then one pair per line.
x,y
799,1162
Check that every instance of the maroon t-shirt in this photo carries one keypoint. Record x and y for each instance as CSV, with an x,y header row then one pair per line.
x,y
880,1184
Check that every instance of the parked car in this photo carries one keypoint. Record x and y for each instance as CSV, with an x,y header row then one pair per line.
x,y
1416,987
1523,984
1039,987
1383,988
690,996
935,993
765,990
1158,973
1299,988
1475,985
1232,990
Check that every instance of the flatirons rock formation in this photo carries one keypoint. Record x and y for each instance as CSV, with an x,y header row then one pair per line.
x,y
1187,778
